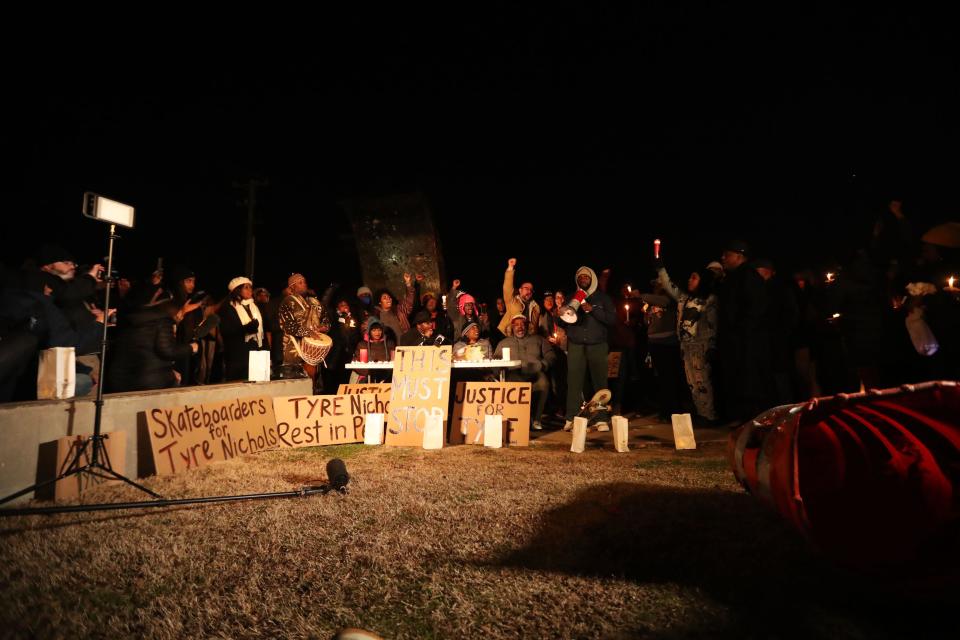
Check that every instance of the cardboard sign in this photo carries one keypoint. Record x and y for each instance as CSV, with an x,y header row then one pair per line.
x,y
613,364
683,431
66,450
476,400
420,388
192,436
373,387
310,421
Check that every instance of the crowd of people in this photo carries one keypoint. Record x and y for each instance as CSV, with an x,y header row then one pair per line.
x,y
723,342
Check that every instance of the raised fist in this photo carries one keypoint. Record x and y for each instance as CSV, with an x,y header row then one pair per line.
x,y
456,284
511,263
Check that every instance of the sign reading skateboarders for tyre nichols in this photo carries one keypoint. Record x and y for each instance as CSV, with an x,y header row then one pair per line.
x,y
192,436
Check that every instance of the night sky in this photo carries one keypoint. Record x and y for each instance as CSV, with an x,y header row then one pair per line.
x,y
695,125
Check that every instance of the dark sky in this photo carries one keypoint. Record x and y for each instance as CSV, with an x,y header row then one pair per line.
x,y
787,128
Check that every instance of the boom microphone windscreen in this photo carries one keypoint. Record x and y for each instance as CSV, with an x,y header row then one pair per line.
x,y
337,473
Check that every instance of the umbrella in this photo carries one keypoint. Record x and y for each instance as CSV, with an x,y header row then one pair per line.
x,y
944,235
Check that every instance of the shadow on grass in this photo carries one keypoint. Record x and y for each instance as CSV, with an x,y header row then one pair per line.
x,y
739,555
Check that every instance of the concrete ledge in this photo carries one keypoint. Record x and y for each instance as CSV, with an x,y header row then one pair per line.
x,y
24,426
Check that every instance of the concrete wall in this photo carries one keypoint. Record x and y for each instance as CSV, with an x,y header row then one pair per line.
x,y
24,426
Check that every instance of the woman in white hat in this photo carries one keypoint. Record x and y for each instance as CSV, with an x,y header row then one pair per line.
x,y
242,328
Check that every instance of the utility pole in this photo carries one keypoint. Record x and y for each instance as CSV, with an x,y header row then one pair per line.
x,y
251,200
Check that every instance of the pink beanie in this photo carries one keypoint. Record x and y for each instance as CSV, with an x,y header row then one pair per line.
x,y
463,300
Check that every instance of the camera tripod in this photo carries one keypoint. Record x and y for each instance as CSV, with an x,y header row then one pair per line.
x,y
91,457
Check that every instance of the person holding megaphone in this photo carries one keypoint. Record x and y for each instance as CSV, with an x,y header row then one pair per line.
x,y
587,317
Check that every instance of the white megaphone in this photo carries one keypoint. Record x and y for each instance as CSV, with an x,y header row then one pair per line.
x,y
568,312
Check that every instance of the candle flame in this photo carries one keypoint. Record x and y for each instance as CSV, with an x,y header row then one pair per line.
x,y
830,276
950,281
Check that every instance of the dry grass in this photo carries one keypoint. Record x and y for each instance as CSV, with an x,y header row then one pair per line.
x,y
461,543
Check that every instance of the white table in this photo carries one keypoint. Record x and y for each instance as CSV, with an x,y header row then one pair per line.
x,y
502,365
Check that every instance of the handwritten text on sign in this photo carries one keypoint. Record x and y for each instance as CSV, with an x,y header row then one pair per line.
x,y
476,400
309,421
373,387
192,436
420,388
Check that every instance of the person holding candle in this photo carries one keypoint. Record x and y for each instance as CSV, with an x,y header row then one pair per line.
x,y
376,347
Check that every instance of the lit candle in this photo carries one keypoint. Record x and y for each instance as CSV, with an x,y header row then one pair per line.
x,y
831,276
629,289
656,248
836,315
627,307
444,301
950,281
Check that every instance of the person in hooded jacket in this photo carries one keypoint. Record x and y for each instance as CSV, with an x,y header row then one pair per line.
x,y
462,309
587,340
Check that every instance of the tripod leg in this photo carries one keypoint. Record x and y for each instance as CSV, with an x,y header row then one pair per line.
x,y
45,483
114,475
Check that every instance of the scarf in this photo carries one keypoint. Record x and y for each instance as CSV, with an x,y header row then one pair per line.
x,y
247,310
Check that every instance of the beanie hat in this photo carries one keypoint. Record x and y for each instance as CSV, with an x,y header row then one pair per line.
x,y
364,290
463,300
50,253
239,281
468,326
737,246
422,316
178,274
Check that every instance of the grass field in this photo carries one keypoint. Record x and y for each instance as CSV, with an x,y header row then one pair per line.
x,y
465,542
